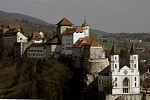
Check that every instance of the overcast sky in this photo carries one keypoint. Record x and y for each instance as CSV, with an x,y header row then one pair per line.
x,y
106,15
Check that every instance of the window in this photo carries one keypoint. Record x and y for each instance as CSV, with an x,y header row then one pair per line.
x,y
125,90
135,65
134,57
115,65
115,58
116,79
135,84
126,85
135,78
116,84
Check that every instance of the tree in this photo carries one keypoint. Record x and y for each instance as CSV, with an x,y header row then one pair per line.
x,y
146,84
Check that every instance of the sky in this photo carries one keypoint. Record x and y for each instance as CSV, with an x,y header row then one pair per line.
x,y
106,15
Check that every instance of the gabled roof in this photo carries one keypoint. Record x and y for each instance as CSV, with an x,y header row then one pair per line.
x,y
11,32
14,26
37,35
86,41
37,44
70,31
64,21
54,40
123,67
105,71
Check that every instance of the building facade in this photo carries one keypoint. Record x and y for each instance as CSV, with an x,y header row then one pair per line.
x,y
120,79
69,34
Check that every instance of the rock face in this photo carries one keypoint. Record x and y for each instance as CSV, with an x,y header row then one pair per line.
x,y
93,67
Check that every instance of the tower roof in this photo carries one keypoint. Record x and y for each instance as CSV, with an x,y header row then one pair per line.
x,y
113,50
132,50
85,22
64,21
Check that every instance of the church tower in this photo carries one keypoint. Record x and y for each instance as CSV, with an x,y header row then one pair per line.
x,y
114,64
85,27
133,59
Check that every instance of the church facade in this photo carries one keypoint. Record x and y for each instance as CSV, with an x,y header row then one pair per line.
x,y
120,79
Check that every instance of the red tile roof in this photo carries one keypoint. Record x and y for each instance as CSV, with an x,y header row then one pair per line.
x,y
64,21
148,73
86,41
14,26
10,32
36,35
70,31
85,23
54,40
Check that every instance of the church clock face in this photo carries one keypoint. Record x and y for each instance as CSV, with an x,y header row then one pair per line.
x,y
125,72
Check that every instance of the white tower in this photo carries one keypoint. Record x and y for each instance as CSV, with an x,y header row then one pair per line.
x,y
133,59
114,60
85,27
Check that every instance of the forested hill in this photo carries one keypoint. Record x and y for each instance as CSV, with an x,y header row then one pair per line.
x,y
29,23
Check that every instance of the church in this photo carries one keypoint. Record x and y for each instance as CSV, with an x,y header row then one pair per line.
x,y
120,79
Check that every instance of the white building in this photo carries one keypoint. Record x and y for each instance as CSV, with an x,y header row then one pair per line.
x,y
13,36
70,35
120,79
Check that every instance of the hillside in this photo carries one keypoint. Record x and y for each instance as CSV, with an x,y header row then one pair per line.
x,y
29,23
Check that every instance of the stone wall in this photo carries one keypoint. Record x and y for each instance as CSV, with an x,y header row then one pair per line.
x,y
124,97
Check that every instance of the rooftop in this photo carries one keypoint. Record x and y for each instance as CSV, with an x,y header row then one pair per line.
x,y
86,41
64,21
70,31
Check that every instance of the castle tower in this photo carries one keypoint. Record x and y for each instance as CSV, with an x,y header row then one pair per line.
x,y
114,64
133,59
85,27
63,25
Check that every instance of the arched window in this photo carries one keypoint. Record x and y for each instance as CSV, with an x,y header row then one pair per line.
x,y
126,85
125,82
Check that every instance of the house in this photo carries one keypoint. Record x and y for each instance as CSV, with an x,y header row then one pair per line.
x,y
8,27
69,35
120,79
13,36
38,50
37,37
